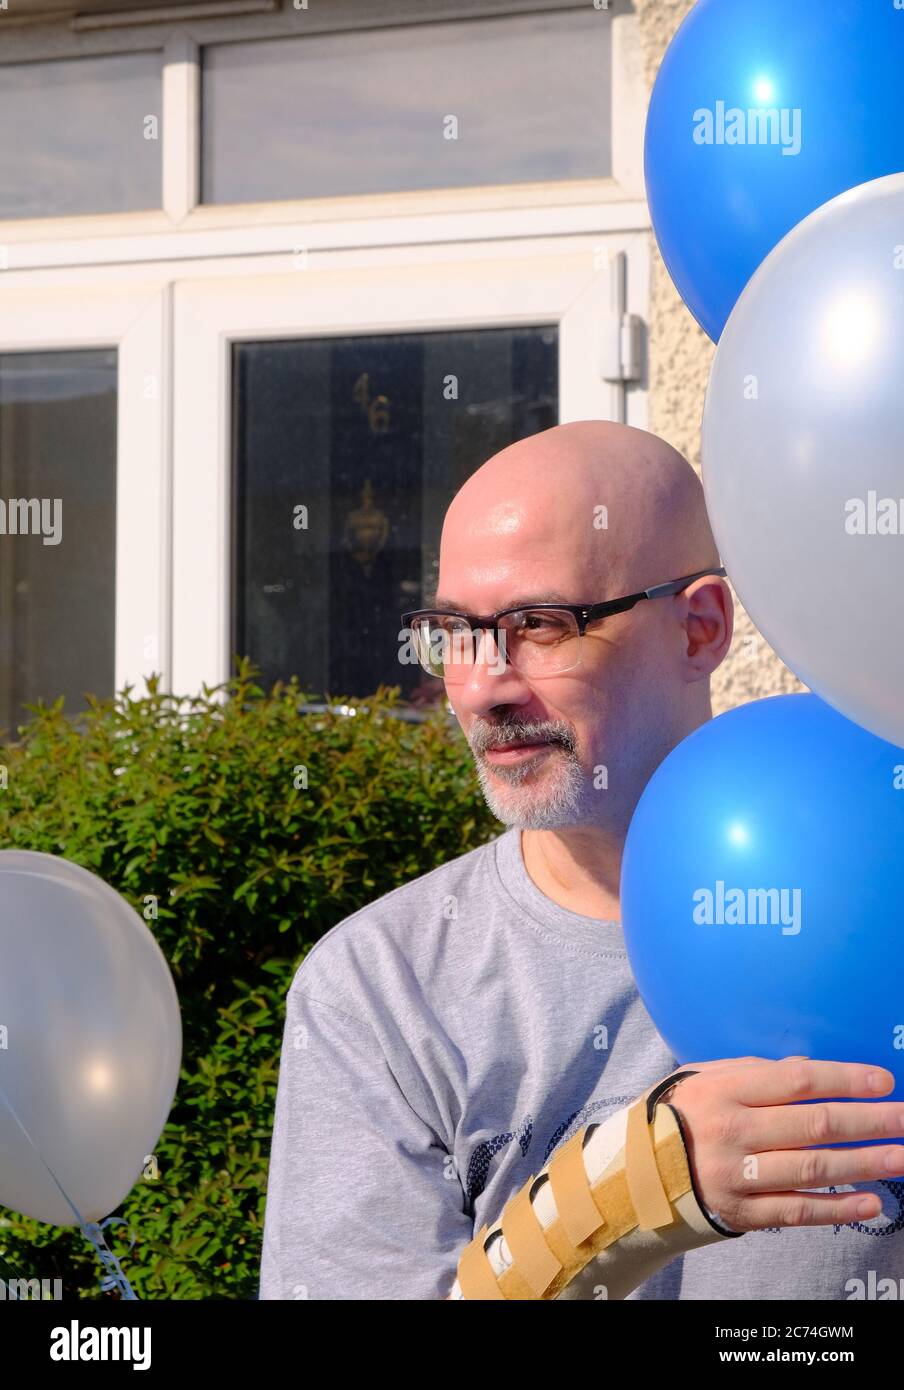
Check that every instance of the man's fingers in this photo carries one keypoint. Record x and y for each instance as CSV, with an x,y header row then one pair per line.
x,y
825,1122
800,1078
806,1209
776,1172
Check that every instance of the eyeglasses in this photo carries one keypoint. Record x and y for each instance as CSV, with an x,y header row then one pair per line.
x,y
541,641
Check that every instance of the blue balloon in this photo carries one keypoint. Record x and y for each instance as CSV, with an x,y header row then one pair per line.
x,y
831,70
762,890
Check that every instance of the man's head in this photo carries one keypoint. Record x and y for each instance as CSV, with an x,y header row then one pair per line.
x,y
586,511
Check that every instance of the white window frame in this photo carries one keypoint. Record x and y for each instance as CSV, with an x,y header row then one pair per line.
x,y
135,323
210,229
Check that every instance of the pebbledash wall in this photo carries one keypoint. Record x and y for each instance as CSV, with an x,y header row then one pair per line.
x,y
680,359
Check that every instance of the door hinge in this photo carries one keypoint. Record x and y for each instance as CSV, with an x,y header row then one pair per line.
x,y
621,333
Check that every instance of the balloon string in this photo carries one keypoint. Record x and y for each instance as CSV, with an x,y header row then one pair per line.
x,y
113,1278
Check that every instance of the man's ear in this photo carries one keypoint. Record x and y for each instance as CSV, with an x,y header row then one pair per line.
x,y
708,623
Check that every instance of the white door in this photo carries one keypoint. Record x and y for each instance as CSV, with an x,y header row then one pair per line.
x,y
313,431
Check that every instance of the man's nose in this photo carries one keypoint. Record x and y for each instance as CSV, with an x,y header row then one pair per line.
x,y
491,680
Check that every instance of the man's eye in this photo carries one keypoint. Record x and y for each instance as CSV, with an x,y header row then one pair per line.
x,y
540,625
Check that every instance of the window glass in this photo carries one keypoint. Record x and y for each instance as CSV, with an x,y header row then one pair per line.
x,y
57,528
526,98
81,135
347,452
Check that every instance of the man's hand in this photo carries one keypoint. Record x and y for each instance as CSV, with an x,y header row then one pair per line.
x,y
748,1142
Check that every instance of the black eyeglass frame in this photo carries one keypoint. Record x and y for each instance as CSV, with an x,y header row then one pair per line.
x,y
583,613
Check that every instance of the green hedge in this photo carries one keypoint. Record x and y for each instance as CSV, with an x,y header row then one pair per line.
x,y
199,802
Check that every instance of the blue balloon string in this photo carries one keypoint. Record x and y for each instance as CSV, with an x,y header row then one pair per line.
x,y
113,1276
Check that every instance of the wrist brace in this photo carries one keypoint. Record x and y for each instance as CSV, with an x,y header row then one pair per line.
x,y
620,1193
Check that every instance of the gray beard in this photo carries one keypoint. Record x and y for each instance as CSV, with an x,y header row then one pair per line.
x,y
560,802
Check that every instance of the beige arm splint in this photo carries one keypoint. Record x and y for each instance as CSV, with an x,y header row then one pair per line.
x,y
618,1193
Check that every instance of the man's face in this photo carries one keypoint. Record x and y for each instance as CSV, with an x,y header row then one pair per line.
x,y
577,748
566,749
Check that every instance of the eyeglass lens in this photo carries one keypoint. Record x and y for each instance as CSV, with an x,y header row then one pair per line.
x,y
536,642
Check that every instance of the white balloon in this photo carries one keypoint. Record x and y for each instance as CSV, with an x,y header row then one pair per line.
x,y
803,452
90,1040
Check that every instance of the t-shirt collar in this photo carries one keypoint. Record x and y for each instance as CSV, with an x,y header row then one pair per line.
x,y
591,931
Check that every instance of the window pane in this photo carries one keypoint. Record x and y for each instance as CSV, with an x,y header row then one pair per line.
x,y
74,136
362,433
366,112
57,571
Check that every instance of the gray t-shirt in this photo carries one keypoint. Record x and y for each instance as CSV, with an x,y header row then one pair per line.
x,y
439,1045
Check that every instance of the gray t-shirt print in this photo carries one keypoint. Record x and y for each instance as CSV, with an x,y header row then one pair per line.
x,y
439,1045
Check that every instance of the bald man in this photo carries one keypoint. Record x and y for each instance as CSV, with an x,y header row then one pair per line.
x,y
465,1032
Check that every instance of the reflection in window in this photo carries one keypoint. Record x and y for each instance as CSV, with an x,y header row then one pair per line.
x,y
347,452
79,135
57,528
527,98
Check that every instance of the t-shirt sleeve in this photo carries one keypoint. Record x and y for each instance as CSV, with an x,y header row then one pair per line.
x,y
363,1200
